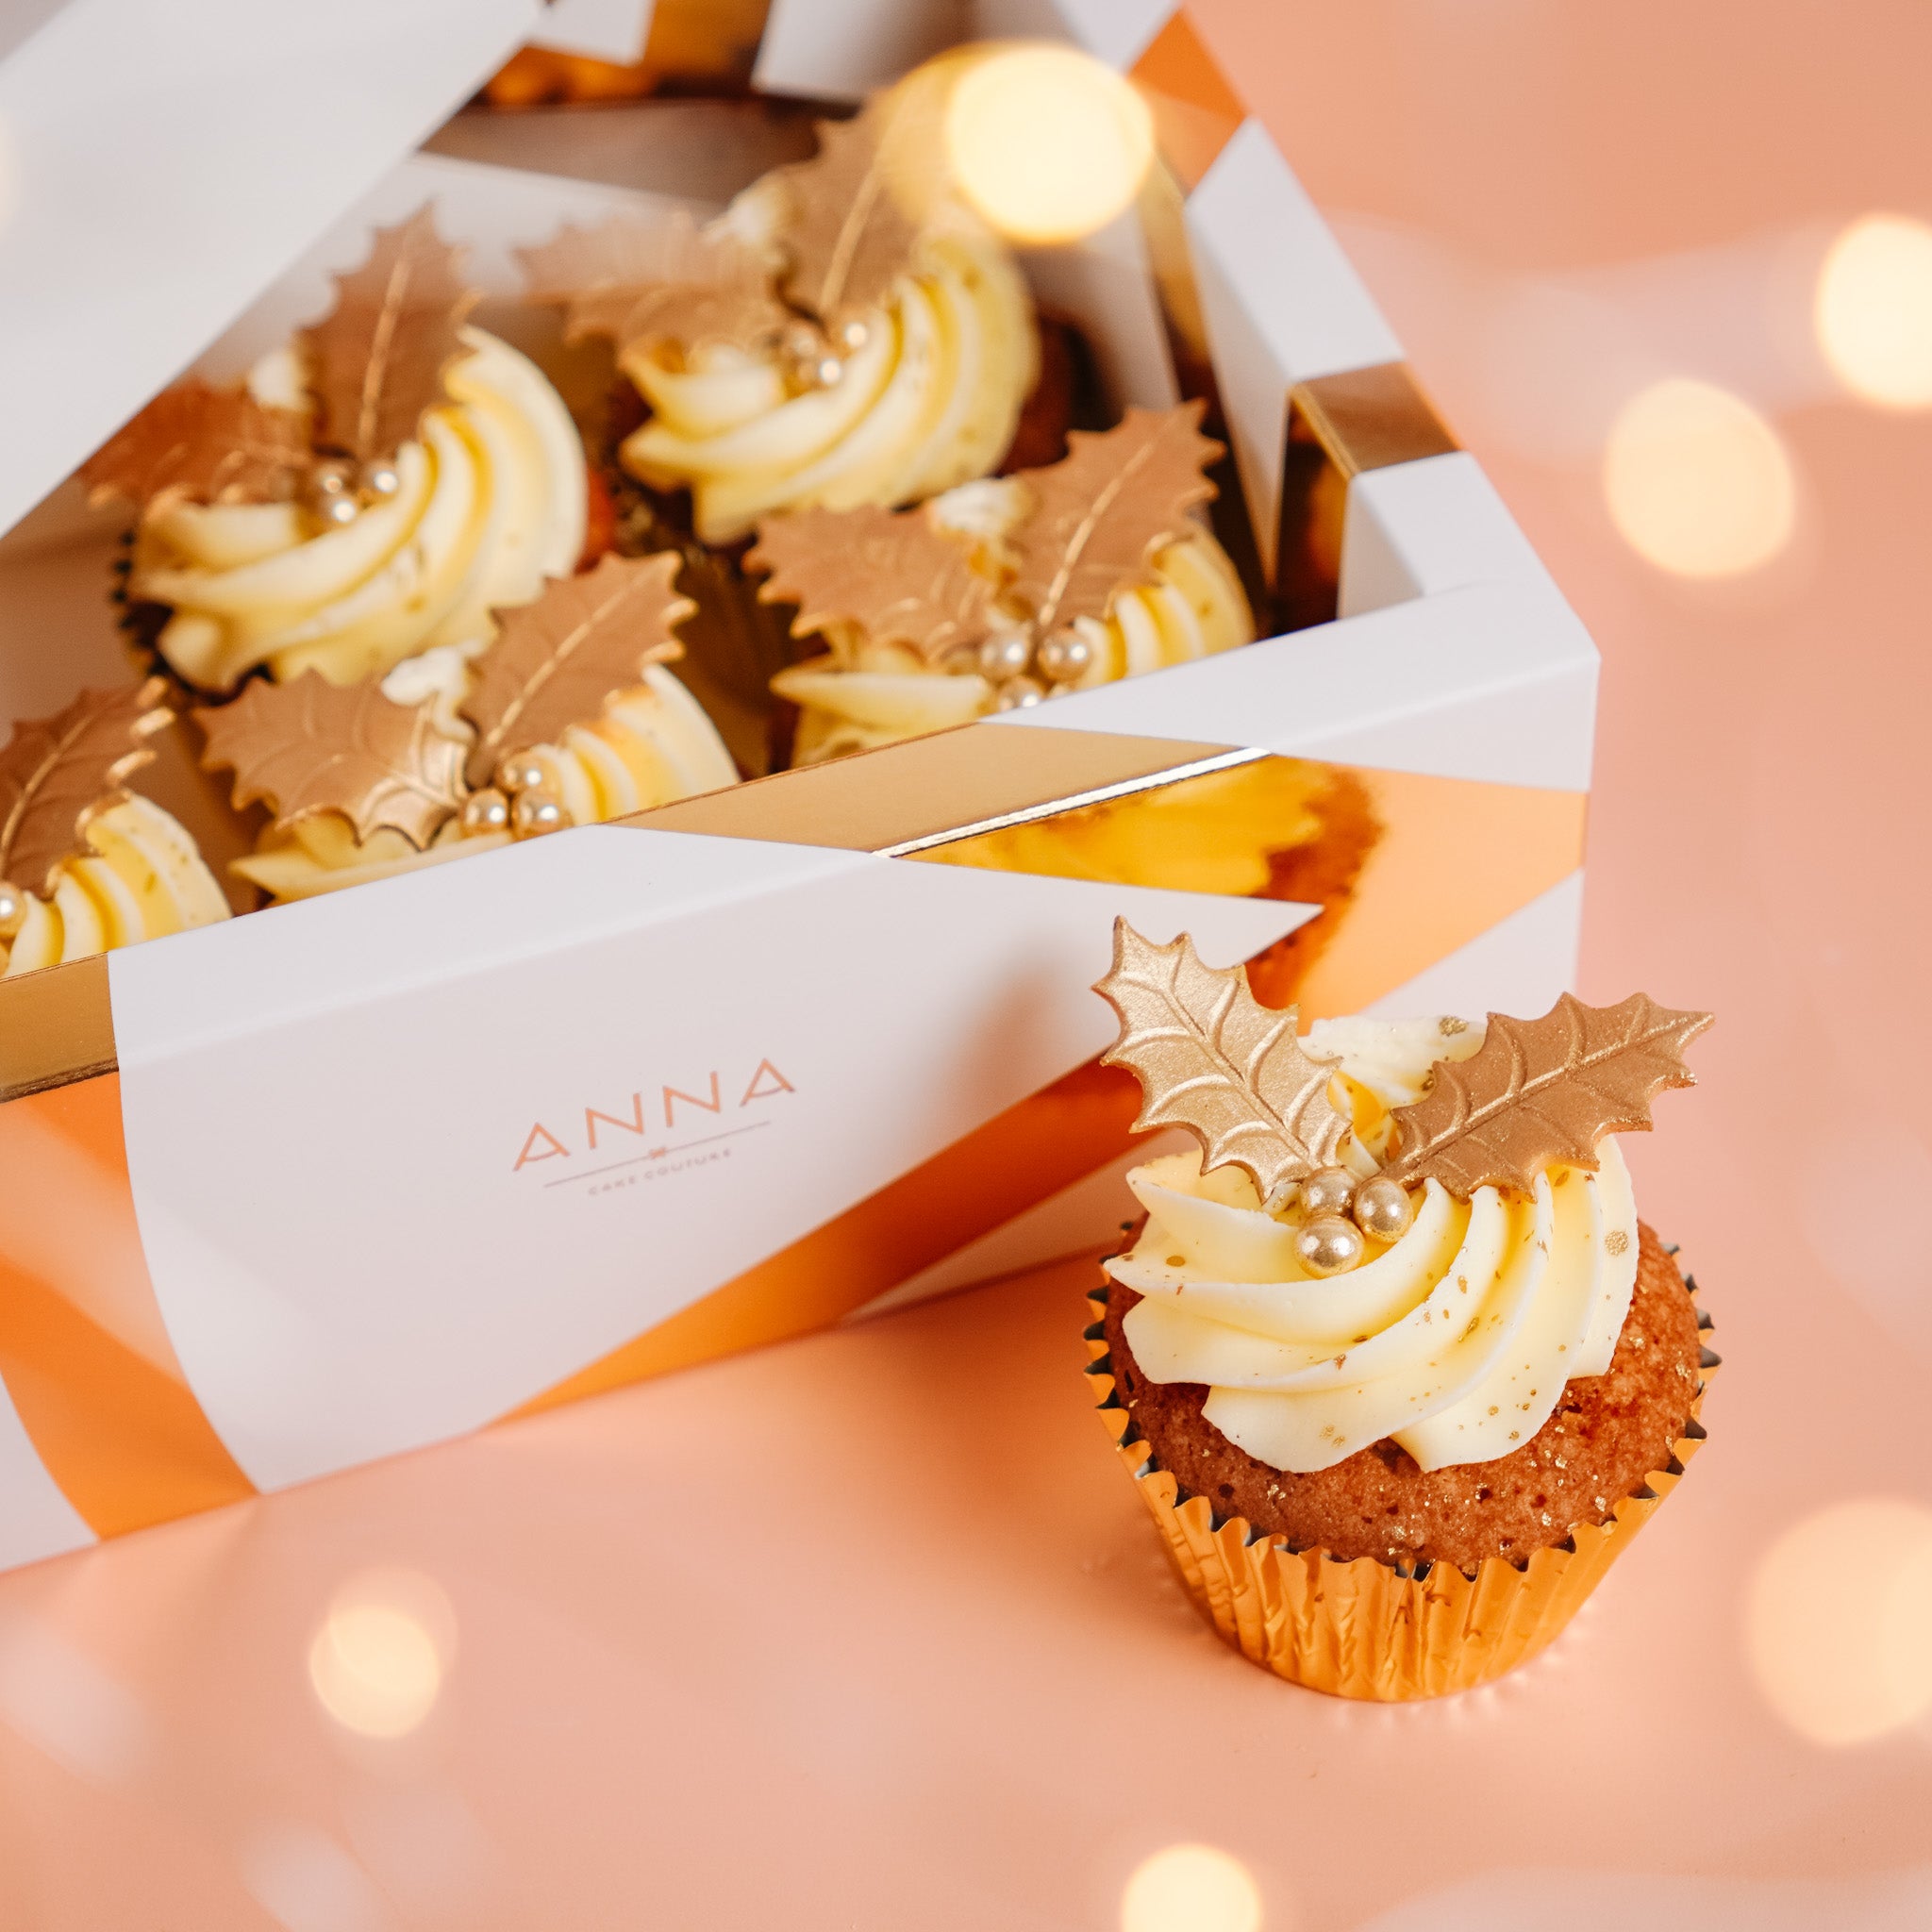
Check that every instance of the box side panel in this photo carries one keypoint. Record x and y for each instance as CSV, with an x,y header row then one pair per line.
x,y
1116,30
839,50
1415,529
596,29
1495,681
349,1177
1280,301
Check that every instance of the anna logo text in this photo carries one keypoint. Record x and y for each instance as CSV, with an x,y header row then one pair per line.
x,y
647,1112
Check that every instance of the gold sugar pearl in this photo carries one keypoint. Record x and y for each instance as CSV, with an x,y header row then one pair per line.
x,y
520,772
535,813
12,910
380,479
1328,1245
1063,655
1006,654
1384,1209
1019,695
1329,1190
486,811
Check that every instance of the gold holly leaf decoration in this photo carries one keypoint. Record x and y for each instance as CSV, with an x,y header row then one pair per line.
x,y
1211,1058
57,774
636,280
310,747
849,236
555,660
1100,514
1543,1090
198,443
380,356
893,573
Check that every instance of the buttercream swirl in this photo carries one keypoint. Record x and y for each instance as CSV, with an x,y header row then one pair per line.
x,y
141,878
1456,1341
930,399
862,693
492,500
652,743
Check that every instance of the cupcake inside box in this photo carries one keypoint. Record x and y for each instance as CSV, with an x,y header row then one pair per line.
x,y
960,511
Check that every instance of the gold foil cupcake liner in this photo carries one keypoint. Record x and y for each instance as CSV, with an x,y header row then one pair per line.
x,y
1366,1627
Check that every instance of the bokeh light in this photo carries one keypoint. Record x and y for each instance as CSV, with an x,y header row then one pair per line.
x,y
1873,310
1048,143
1190,1889
378,1662
1839,1621
1697,482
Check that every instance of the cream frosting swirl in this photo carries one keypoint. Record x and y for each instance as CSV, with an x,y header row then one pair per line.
x,y
929,400
141,880
651,744
492,499
1456,1341
864,694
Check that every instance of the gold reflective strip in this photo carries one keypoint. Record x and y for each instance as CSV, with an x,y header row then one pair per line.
x,y
55,1026
1369,419
907,798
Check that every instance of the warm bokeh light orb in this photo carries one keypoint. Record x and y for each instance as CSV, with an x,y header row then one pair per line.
x,y
1873,310
1048,143
1837,1622
378,1662
1190,1889
1697,482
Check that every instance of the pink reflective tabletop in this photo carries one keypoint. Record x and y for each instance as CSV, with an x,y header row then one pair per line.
x,y
868,1631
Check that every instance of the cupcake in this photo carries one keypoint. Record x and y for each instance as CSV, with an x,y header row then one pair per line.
x,y
1007,591
1396,1367
568,717
86,865
371,492
363,514
848,332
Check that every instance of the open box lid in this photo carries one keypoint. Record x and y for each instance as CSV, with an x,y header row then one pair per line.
x,y
161,165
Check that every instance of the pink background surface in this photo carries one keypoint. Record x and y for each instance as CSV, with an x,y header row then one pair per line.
x,y
868,1631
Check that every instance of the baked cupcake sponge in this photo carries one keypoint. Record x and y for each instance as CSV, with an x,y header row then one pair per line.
x,y
1607,1436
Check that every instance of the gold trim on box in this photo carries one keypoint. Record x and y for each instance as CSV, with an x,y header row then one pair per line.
x,y
1369,419
57,1026
925,792
1337,426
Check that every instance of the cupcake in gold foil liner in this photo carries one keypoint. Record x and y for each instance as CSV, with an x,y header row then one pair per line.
x,y
1386,1631
1395,1366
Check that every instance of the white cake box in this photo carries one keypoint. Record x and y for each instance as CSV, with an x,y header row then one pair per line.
x,y
356,1174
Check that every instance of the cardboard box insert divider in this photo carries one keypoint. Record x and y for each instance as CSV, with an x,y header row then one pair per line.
x,y
774,1055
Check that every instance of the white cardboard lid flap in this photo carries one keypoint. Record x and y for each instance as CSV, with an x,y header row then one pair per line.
x,y
161,165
